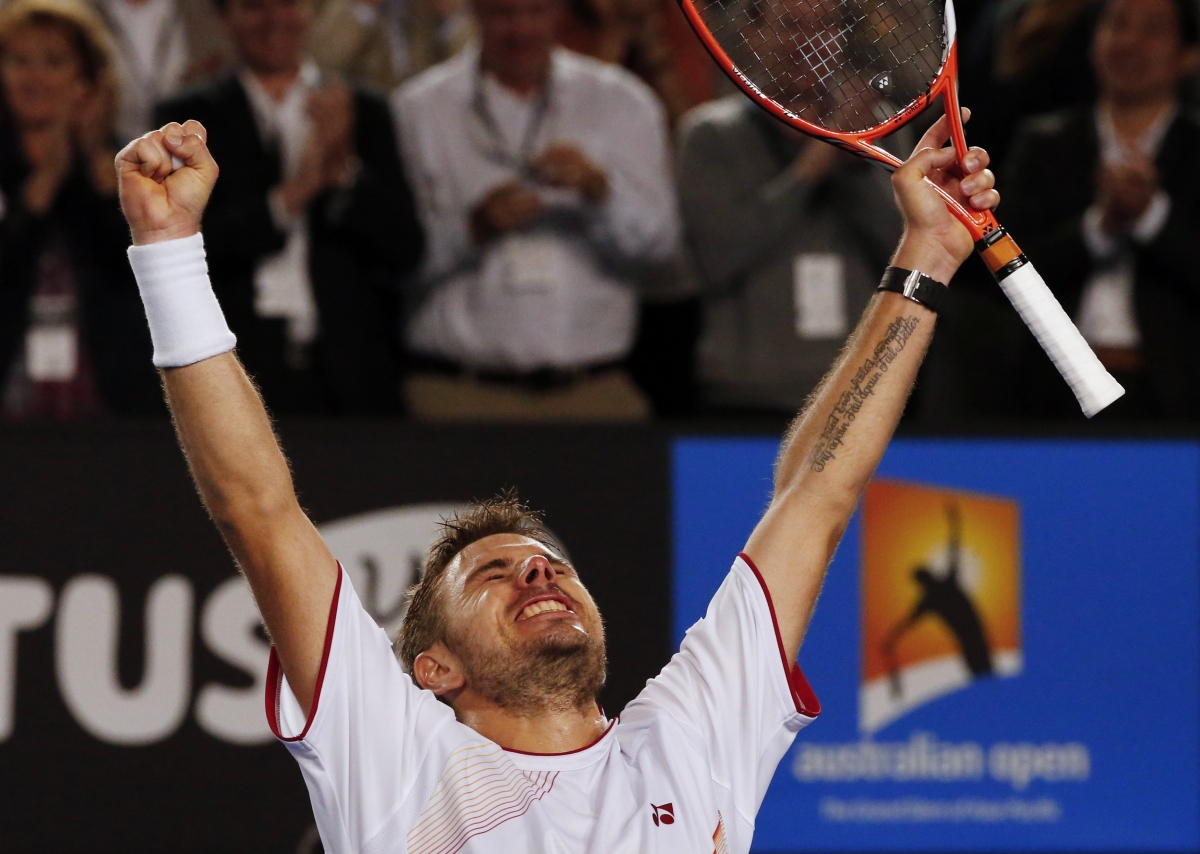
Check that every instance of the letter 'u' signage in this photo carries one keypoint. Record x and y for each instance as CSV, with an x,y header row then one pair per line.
x,y
132,657
1006,649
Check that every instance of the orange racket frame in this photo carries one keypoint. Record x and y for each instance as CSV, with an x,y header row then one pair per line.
x,y
999,249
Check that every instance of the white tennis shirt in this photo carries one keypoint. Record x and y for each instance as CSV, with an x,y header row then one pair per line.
x,y
685,769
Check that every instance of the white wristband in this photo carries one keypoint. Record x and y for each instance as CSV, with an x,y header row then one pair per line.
x,y
186,321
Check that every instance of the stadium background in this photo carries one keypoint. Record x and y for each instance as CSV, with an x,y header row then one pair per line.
x,y
131,656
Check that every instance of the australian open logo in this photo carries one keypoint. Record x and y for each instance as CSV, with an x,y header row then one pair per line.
x,y
940,604
941,596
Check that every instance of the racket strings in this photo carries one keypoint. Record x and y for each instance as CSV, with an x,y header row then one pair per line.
x,y
845,65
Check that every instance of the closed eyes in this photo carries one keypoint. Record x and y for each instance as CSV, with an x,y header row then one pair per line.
x,y
499,569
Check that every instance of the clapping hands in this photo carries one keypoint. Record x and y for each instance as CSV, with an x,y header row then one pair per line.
x,y
1123,192
328,160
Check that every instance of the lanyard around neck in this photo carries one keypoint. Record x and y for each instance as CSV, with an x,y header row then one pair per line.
x,y
496,150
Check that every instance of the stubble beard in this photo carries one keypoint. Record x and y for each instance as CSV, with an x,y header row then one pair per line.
x,y
563,670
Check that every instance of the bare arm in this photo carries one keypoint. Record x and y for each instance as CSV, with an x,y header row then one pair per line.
x,y
834,445
224,429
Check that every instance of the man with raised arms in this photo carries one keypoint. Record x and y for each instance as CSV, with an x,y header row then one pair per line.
x,y
486,736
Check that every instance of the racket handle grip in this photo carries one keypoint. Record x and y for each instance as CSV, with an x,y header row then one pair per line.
x,y
1094,387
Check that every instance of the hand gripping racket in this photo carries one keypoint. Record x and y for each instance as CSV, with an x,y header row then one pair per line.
x,y
853,71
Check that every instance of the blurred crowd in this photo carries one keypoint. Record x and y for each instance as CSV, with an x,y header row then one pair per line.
x,y
559,210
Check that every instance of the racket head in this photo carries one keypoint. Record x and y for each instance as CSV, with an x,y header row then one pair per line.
x,y
846,71
841,67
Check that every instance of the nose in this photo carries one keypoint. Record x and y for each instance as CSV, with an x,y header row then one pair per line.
x,y
536,570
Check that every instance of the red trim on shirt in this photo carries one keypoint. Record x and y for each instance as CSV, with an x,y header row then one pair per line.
x,y
275,673
802,693
565,752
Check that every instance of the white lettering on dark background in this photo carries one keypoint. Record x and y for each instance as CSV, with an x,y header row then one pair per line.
x,y
382,551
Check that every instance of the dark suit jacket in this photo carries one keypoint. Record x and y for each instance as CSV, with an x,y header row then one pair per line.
x,y
1050,182
113,328
362,242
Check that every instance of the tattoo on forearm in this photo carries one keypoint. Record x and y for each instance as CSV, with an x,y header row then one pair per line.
x,y
862,386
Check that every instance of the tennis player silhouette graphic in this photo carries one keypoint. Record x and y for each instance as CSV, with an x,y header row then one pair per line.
x,y
945,599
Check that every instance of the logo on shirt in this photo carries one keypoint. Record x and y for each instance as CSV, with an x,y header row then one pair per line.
x,y
720,841
941,596
663,814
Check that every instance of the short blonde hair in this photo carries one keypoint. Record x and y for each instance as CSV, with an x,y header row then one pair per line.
x,y
84,28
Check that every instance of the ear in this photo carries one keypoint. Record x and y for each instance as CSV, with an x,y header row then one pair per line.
x,y
437,669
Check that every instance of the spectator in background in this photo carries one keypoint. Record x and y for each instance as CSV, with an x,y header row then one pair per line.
x,y
1105,200
634,35
312,225
653,40
161,46
381,43
543,181
789,237
1019,59
1025,57
71,342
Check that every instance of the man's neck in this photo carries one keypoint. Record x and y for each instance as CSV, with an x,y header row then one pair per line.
x,y
1132,117
277,83
523,85
550,731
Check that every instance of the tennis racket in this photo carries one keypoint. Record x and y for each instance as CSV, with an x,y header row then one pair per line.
x,y
853,71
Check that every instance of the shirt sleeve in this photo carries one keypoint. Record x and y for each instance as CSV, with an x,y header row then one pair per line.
x,y
639,222
370,729
444,215
733,690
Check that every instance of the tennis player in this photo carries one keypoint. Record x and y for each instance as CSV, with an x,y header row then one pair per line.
x,y
489,737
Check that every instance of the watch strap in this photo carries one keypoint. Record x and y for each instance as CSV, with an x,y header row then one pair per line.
x,y
914,285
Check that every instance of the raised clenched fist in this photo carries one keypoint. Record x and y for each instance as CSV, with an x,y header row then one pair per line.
x,y
1124,191
162,202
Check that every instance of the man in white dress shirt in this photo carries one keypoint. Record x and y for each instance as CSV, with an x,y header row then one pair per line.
x,y
542,177
160,46
489,738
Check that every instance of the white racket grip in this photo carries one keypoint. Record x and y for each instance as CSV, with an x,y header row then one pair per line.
x,y
1094,387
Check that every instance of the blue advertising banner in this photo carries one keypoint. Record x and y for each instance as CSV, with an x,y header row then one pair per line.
x,y
1007,649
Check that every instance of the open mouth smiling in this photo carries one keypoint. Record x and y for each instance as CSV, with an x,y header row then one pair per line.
x,y
551,604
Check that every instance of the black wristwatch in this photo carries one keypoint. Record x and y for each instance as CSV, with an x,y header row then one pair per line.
x,y
915,285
